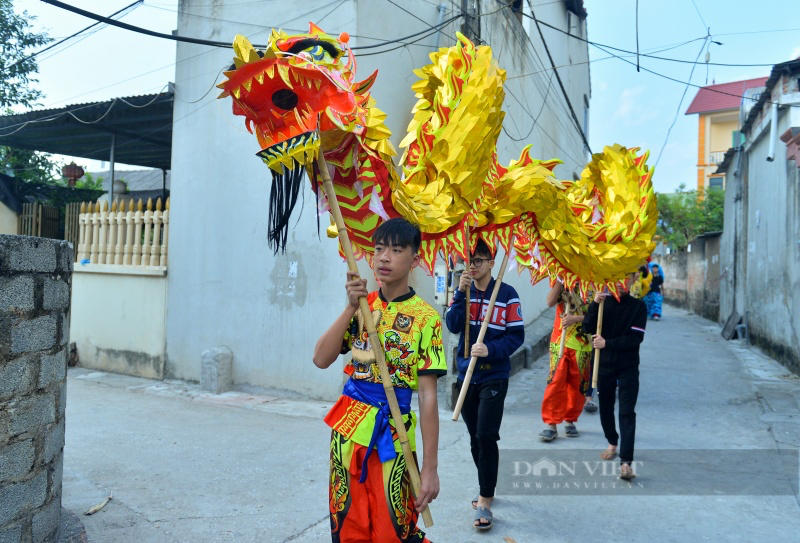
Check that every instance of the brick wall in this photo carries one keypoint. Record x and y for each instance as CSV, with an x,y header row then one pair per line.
x,y
35,281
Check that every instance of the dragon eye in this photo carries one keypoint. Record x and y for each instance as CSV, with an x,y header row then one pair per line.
x,y
317,52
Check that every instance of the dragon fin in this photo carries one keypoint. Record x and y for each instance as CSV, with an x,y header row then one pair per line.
x,y
363,86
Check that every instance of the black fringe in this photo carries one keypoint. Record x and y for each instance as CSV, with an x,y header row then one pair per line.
x,y
282,199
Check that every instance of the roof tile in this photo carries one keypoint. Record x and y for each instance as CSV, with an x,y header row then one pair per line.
x,y
722,96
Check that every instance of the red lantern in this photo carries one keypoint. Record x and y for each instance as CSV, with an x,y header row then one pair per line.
x,y
72,172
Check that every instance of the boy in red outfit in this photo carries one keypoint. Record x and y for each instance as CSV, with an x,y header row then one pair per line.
x,y
569,378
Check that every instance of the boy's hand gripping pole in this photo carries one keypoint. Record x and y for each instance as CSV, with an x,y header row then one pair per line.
x,y
482,333
377,347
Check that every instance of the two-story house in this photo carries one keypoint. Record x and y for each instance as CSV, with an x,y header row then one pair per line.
x,y
718,108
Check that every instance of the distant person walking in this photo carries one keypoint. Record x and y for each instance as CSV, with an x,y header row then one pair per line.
x,y
641,287
654,298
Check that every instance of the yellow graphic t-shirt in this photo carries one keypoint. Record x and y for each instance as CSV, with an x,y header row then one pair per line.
x,y
410,331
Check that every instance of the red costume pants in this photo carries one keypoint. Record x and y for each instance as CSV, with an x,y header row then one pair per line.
x,y
566,385
381,510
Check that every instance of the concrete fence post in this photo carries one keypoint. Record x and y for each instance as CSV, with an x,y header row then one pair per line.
x,y
217,371
35,281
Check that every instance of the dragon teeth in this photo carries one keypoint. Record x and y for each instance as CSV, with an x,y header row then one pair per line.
x,y
283,71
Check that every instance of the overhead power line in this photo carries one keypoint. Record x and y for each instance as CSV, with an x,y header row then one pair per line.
x,y
556,106
708,89
561,84
199,41
398,6
79,32
133,28
401,45
699,14
597,44
680,103
211,43
434,29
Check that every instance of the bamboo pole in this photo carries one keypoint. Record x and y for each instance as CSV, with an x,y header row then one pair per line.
x,y
597,351
563,332
481,334
377,345
469,299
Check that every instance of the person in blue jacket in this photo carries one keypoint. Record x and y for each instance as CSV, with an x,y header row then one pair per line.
x,y
483,405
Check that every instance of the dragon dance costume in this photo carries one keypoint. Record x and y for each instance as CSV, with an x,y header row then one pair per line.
x,y
569,378
380,507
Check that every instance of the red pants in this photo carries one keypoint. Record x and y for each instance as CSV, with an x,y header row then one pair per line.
x,y
564,395
381,510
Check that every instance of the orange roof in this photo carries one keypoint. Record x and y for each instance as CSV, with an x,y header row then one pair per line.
x,y
723,96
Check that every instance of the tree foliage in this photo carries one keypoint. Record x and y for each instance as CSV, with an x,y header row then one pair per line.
x,y
683,216
17,88
16,65
26,165
88,181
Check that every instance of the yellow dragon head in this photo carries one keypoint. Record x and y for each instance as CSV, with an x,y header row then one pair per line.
x,y
298,95
296,88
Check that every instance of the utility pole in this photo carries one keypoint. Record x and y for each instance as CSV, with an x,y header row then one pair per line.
x,y
471,27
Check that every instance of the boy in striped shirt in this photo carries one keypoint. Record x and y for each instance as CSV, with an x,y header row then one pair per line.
x,y
483,405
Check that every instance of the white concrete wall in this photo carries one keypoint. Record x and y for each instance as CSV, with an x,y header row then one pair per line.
x,y
8,220
118,319
225,286
767,234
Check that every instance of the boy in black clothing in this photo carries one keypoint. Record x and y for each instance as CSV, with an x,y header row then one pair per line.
x,y
624,322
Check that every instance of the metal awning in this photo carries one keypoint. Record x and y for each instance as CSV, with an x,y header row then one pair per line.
x,y
140,128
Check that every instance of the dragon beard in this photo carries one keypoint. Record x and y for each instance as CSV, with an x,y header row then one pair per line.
x,y
286,186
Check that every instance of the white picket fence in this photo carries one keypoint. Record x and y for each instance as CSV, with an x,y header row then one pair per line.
x,y
136,236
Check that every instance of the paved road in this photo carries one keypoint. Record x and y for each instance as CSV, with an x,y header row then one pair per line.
x,y
185,466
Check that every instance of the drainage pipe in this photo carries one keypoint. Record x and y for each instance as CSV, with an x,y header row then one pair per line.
x,y
773,132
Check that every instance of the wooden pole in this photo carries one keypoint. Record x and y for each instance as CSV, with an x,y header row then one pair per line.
x,y
563,333
469,300
377,346
597,351
481,334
